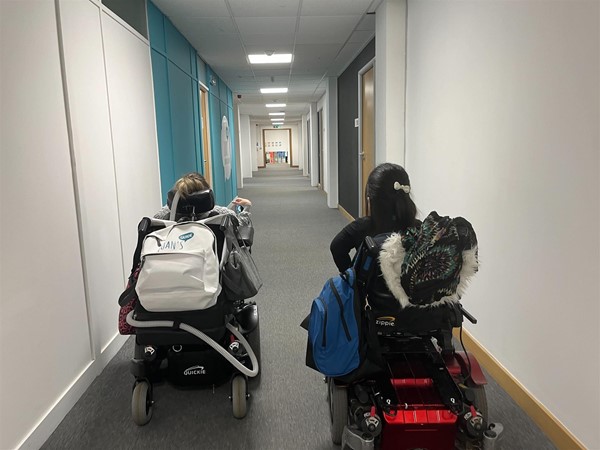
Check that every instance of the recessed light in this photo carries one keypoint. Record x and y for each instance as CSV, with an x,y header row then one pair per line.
x,y
277,123
275,105
273,58
273,90
277,119
277,114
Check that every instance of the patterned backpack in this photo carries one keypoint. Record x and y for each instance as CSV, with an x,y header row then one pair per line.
x,y
431,264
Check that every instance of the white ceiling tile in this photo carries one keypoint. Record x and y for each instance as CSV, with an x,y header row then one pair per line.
x,y
259,43
329,29
264,8
334,7
193,8
266,25
210,26
367,23
278,74
361,36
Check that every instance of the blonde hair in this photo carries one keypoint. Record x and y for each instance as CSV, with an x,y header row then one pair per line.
x,y
190,183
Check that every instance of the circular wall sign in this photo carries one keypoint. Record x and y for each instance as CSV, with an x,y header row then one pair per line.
x,y
226,147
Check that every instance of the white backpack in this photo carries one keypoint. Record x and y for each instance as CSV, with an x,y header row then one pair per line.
x,y
179,269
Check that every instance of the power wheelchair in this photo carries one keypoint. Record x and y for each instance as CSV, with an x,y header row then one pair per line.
x,y
414,391
201,348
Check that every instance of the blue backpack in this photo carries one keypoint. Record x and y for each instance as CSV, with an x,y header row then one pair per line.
x,y
334,327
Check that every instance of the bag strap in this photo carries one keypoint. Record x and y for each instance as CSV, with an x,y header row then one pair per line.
x,y
174,205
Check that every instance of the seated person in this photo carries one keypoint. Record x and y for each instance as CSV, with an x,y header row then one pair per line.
x,y
389,209
194,182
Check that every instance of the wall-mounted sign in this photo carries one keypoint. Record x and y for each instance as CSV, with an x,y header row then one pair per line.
x,y
226,147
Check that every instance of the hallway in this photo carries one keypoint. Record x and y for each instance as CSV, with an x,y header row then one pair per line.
x,y
288,410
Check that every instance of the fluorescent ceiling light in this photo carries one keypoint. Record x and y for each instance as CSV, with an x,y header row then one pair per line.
x,y
275,105
277,119
277,114
273,58
277,123
273,90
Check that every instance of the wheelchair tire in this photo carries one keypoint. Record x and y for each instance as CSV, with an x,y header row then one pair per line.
x,y
239,391
338,410
480,401
141,403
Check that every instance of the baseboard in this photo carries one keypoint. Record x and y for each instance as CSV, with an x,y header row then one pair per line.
x,y
57,412
346,214
548,423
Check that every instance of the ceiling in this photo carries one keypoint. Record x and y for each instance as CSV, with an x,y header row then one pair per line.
x,y
323,35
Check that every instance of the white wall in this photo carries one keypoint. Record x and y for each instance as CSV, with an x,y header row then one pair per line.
x,y
81,154
390,68
502,128
331,178
93,155
246,147
256,145
305,145
44,334
314,138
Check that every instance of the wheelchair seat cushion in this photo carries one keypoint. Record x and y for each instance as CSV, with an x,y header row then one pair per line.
x,y
431,264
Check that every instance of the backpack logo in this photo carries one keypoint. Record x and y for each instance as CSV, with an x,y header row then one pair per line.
x,y
195,370
186,236
386,321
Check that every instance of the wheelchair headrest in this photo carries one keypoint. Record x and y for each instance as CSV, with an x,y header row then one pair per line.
x,y
194,203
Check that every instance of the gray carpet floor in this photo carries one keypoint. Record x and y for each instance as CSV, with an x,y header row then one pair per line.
x,y
288,409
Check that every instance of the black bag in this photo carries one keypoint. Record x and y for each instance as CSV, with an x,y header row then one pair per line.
x,y
241,279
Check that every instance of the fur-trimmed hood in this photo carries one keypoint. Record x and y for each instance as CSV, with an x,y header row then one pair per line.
x,y
430,265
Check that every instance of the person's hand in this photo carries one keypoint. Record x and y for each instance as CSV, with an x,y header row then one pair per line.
x,y
242,201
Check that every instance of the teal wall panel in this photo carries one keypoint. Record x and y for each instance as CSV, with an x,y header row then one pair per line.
x,y
178,48
229,98
163,120
156,28
222,91
176,71
182,121
201,70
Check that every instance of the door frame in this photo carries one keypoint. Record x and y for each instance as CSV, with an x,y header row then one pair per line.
x,y
205,132
361,72
289,130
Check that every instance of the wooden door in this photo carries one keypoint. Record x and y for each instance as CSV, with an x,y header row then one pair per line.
x,y
367,141
205,136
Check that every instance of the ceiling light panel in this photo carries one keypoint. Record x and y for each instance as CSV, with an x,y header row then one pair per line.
x,y
273,90
275,105
277,114
275,58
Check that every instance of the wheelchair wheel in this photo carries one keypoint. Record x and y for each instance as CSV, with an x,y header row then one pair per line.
x,y
239,391
480,404
141,403
480,401
338,410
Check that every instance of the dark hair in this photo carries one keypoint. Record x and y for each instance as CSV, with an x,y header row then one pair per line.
x,y
390,209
